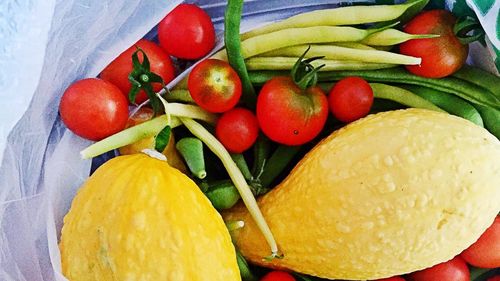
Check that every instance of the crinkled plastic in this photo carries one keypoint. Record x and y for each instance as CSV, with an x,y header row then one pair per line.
x,y
44,47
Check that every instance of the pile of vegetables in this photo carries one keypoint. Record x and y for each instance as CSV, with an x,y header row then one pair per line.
x,y
292,94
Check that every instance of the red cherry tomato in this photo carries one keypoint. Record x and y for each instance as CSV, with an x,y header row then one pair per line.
x,y
118,70
453,270
94,109
187,32
237,129
278,276
350,99
214,85
485,252
394,278
494,278
288,114
441,56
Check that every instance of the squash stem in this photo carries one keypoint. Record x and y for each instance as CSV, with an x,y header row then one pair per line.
x,y
236,176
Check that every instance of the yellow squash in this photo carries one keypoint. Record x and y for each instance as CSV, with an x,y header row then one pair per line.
x,y
389,194
137,218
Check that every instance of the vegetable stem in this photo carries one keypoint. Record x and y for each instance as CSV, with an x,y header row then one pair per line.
x,y
236,176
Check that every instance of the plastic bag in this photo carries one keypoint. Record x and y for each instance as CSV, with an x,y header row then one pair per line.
x,y
41,168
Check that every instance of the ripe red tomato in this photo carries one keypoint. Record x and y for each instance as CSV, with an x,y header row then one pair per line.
x,y
214,85
441,56
278,276
288,114
237,129
350,99
394,278
485,252
494,278
187,32
453,270
94,109
118,70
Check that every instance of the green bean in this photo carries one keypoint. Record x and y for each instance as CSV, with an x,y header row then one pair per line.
x,y
402,96
306,35
223,195
490,83
191,149
342,53
479,77
279,160
179,95
286,63
234,50
246,274
491,118
452,104
240,161
451,85
391,37
338,16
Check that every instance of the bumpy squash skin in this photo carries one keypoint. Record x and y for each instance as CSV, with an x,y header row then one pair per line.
x,y
136,218
389,194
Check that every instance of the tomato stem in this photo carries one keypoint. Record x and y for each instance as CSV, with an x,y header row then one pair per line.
x,y
304,74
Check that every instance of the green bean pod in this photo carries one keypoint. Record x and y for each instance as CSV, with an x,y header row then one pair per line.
x,y
277,163
240,161
402,96
223,195
350,15
452,104
307,35
332,52
286,63
235,54
468,91
491,118
391,37
191,150
353,45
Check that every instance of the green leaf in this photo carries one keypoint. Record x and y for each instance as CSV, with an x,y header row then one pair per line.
x,y
135,61
162,139
145,61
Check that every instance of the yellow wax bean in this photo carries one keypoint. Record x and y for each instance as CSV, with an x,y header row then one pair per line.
x,y
286,63
338,16
391,37
341,53
297,36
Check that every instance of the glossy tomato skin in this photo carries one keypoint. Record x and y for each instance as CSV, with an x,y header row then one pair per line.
x,y
187,32
94,109
214,85
441,56
453,270
494,278
278,276
237,129
288,114
485,252
118,70
350,99
394,278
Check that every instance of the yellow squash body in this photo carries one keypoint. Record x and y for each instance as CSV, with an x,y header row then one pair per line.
x,y
137,218
389,194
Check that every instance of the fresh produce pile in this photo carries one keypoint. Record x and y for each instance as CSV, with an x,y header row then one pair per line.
x,y
360,144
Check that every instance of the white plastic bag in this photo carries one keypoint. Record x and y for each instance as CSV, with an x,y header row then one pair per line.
x,y
51,44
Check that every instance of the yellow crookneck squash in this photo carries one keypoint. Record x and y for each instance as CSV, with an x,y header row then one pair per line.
x,y
389,194
137,218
